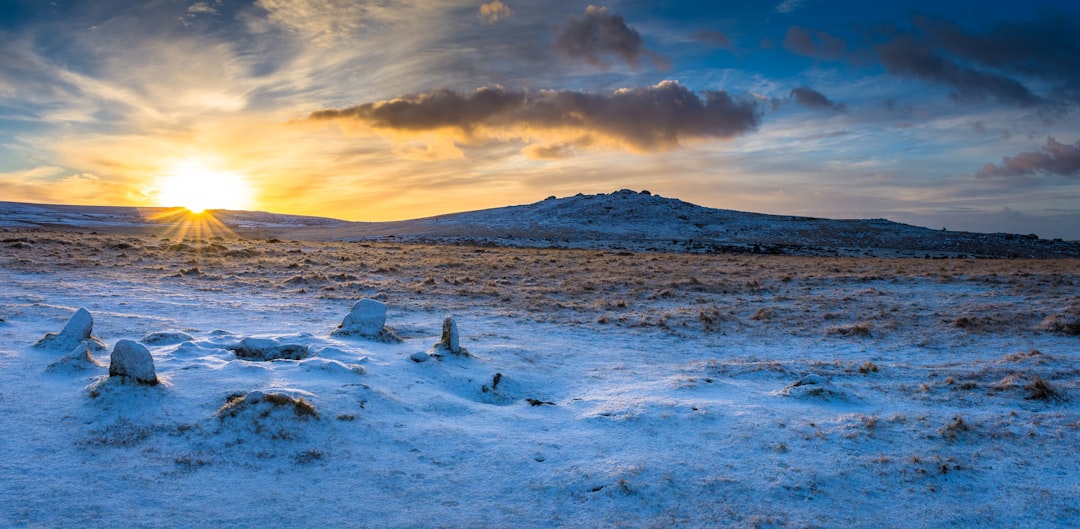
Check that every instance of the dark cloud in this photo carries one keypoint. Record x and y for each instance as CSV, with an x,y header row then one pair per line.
x,y
1053,158
601,34
810,98
649,118
817,45
1001,62
906,56
1047,48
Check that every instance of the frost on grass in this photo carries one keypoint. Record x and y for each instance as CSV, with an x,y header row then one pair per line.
x,y
1064,322
268,414
262,404
367,319
76,331
133,360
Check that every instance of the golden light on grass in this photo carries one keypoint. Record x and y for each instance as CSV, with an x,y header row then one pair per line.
x,y
183,223
197,185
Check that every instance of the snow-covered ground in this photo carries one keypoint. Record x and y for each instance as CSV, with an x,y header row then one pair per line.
x,y
600,389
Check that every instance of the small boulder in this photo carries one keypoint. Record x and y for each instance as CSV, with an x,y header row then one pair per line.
x,y
814,386
166,338
132,359
367,319
76,331
267,349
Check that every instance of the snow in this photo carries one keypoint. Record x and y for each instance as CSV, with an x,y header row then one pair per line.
x,y
601,389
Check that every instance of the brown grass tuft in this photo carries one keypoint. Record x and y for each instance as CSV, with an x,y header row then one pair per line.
x,y
861,329
1040,389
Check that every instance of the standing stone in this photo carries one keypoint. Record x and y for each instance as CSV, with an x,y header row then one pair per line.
x,y
367,318
131,359
76,331
450,341
450,338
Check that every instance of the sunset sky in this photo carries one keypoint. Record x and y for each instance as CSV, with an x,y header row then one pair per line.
x,y
964,115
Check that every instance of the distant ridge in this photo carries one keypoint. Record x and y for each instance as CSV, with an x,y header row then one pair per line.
x,y
621,221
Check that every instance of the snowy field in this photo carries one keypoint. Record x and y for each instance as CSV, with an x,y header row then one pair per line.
x,y
599,389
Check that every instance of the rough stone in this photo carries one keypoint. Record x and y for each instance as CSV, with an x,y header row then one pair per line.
x,y
368,319
267,349
132,359
166,338
76,331
451,341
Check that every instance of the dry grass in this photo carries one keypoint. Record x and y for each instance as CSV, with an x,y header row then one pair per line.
x,y
866,298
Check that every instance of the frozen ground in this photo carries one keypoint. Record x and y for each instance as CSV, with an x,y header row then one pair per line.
x,y
634,390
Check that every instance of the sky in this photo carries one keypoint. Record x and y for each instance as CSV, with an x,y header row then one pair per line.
x,y
962,115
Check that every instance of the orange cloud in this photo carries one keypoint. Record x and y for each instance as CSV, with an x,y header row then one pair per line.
x,y
493,12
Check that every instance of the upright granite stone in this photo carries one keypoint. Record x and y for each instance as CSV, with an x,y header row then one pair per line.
x,y
450,342
366,319
75,332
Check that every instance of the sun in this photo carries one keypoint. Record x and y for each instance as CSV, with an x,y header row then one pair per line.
x,y
197,186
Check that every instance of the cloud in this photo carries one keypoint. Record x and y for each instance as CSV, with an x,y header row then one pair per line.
x,y
818,45
554,151
810,98
493,12
1001,62
714,37
322,22
598,35
904,56
1046,48
788,6
202,8
1054,158
641,119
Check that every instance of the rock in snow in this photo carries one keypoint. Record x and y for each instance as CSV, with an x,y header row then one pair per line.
x,y
131,359
267,349
166,338
449,343
76,331
450,338
368,319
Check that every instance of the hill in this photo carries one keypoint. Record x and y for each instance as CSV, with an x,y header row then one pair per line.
x,y
622,221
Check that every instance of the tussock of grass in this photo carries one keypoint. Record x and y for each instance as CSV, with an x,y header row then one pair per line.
x,y
1039,389
861,329
955,427
236,404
